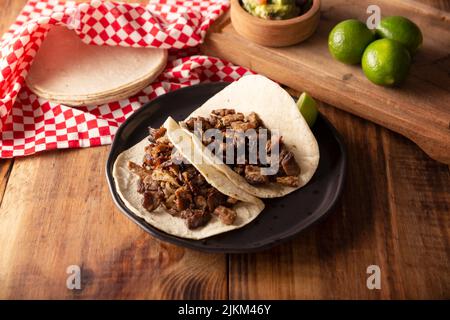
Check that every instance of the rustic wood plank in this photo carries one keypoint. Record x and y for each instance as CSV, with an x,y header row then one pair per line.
x,y
394,213
8,13
419,204
5,169
57,211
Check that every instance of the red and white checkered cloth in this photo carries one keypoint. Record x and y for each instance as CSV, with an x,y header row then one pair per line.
x,y
29,124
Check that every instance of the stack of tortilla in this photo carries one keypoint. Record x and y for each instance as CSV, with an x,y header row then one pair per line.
x,y
68,71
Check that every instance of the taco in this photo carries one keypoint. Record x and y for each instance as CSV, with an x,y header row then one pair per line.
x,y
157,183
257,104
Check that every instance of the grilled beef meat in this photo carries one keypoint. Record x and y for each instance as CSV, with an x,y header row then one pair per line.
x,y
253,175
177,186
183,198
242,126
232,124
223,112
215,199
290,181
230,118
195,218
200,202
239,169
289,164
226,215
151,200
254,120
155,134
205,124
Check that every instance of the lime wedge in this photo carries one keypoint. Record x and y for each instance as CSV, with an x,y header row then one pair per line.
x,y
308,108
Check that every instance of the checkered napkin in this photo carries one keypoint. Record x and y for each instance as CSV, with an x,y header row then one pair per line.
x,y
29,124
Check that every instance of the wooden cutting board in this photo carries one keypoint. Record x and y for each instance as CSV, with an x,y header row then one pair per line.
x,y
419,109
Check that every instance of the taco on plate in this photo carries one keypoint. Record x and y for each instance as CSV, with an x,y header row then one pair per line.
x,y
282,162
157,183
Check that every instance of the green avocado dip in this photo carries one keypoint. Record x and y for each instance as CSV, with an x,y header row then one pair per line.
x,y
276,9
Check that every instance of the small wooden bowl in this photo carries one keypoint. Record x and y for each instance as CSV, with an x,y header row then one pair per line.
x,y
275,33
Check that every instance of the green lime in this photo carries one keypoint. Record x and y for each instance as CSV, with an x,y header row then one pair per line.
x,y
348,39
402,30
386,62
308,108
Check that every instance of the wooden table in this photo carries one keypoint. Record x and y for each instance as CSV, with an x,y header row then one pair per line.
x,y
56,211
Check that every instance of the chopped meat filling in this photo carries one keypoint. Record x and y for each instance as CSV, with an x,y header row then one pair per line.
x,y
289,181
195,218
215,199
253,175
239,169
253,119
223,112
151,200
178,186
289,164
155,134
205,124
231,123
242,126
226,215
183,198
230,118
200,202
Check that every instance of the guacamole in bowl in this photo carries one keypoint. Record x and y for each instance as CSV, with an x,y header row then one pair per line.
x,y
276,9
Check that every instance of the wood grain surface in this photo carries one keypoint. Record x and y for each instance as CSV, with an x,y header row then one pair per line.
x,y
56,211
419,109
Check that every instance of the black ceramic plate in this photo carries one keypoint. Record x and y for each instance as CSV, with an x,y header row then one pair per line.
x,y
281,219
